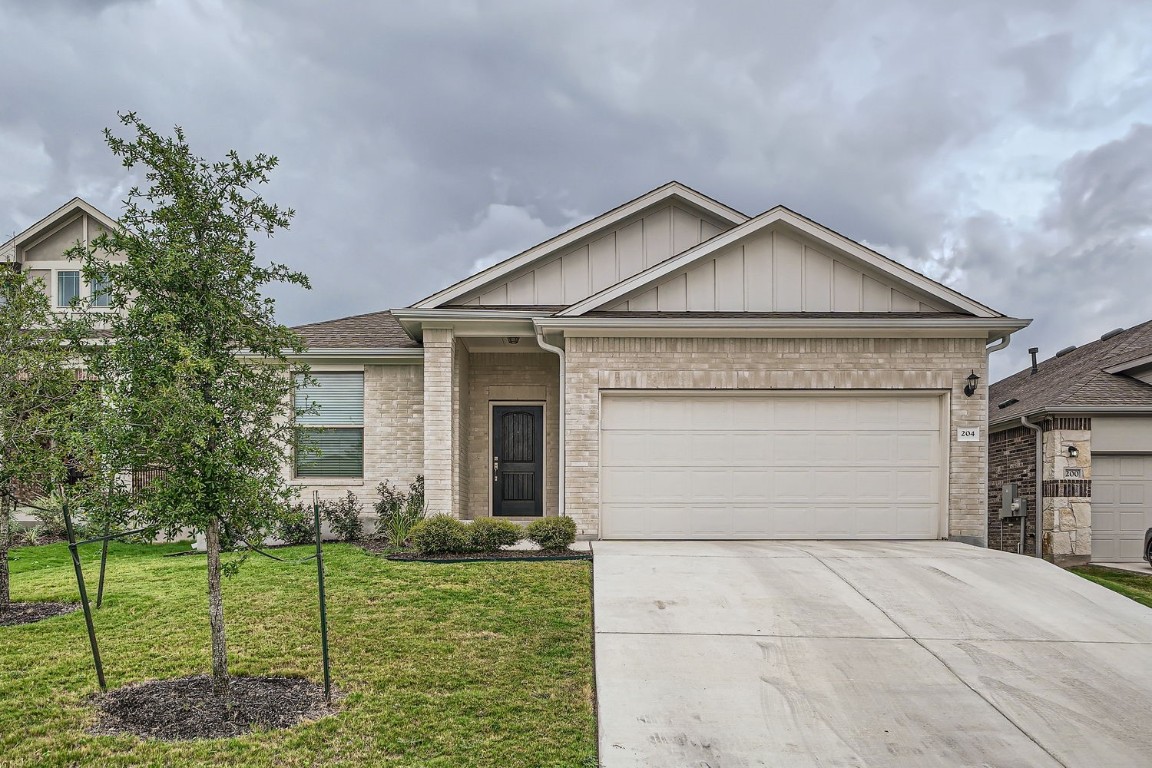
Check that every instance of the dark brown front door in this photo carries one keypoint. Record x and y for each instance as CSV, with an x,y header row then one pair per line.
x,y
518,460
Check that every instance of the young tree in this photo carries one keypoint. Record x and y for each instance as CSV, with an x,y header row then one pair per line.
x,y
195,368
38,399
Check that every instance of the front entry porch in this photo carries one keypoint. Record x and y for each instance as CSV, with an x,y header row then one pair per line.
x,y
491,426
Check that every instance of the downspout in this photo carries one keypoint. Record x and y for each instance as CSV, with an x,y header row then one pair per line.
x,y
1039,484
563,386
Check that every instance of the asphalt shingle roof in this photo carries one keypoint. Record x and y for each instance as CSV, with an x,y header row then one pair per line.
x,y
1078,379
376,330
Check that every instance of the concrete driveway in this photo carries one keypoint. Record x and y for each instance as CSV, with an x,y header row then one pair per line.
x,y
919,654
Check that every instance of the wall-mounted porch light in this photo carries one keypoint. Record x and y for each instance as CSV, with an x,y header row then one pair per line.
x,y
970,387
1073,451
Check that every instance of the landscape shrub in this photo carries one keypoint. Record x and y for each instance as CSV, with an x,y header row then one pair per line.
x,y
488,534
343,516
297,526
440,535
552,534
49,511
398,511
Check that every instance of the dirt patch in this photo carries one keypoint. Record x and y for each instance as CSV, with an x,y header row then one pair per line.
x,y
28,613
186,708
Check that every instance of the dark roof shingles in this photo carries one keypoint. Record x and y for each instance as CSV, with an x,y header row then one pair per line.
x,y
376,330
1077,379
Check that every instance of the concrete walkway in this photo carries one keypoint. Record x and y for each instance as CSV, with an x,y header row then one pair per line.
x,y
1140,567
918,654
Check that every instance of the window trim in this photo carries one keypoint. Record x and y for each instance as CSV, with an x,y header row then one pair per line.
x,y
60,273
342,427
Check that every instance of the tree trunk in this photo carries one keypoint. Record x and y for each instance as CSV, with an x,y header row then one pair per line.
x,y
216,611
5,533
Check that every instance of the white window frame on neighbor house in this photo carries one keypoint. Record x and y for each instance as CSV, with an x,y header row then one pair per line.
x,y
60,274
344,414
101,299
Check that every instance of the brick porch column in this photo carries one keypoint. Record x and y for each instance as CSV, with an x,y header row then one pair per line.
x,y
439,463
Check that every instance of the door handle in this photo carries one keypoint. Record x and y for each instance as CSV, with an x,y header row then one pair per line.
x,y
495,469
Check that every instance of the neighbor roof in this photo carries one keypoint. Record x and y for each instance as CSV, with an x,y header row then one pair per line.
x,y
69,208
376,330
1078,379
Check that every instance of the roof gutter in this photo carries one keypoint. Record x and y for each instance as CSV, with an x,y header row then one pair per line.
x,y
992,328
1003,342
559,351
1039,532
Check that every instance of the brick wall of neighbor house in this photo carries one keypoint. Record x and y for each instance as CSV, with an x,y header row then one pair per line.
x,y
393,434
510,377
1011,459
647,363
1067,499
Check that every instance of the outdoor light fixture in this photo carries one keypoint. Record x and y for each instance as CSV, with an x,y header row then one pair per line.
x,y
970,387
1073,451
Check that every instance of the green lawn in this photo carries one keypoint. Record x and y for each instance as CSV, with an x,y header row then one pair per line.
x,y
478,664
1137,586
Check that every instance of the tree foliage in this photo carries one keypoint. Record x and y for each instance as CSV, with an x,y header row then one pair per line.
x,y
43,405
196,371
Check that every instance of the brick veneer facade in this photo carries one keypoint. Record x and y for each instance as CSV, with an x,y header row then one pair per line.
x,y
1011,459
595,364
1067,513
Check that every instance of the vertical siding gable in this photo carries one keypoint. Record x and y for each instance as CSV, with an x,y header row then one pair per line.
x,y
775,271
605,259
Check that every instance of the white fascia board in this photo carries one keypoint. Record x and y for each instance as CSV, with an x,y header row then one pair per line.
x,y
565,239
817,232
1071,410
468,322
52,219
1131,365
752,327
379,355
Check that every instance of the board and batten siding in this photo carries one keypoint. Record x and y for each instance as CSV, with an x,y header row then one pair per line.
x,y
603,259
773,271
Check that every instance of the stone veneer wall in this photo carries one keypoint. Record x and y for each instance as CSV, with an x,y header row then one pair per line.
x,y
509,377
393,434
821,364
1067,501
440,414
1011,459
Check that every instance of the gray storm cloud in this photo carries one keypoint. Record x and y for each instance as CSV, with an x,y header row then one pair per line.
x,y
1003,148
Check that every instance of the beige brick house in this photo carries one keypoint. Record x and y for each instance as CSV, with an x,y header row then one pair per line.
x,y
672,369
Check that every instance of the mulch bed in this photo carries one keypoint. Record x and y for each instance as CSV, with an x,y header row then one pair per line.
x,y
484,557
28,613
186,708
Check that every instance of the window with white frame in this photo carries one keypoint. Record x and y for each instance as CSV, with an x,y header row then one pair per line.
x,y
100,295
67,287
330,425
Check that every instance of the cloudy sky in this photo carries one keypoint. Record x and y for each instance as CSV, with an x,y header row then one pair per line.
x,y
1003,148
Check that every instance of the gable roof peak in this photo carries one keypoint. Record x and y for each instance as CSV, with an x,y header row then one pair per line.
x,y
672,190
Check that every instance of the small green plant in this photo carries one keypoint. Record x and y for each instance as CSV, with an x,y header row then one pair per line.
x,y
488,534
343,516
297,526
49,511
440,535
398,512
552,534
31,536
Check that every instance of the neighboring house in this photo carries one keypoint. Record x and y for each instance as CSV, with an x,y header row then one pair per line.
x,y
39,251
1092,406
672,369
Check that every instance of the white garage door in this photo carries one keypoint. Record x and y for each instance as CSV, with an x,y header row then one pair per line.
x,y
1121,506
724,466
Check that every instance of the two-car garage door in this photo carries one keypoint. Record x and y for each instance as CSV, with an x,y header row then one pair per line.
x,y
700,465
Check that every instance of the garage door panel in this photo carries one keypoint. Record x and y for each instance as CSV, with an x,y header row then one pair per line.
x,y
770,466
1121,506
